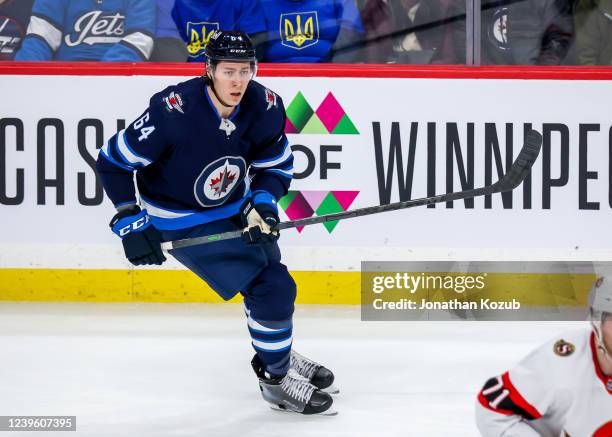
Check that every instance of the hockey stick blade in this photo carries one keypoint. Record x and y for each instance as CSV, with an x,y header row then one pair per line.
x,y
513,178
523,162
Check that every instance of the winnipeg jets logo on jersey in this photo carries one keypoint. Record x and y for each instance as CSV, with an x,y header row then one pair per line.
x,y
270,99
96,28
219,180
220,185
227,126
174,101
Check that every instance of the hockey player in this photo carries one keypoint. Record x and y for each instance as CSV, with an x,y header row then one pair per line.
x,y
101,30
563,388
210,155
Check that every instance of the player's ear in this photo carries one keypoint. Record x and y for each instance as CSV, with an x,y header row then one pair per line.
x,y
209,70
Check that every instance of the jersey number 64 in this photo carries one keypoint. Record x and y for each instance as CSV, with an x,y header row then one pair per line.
x,y
145,131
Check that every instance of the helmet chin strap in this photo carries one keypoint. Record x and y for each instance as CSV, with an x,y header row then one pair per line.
x,y
212,87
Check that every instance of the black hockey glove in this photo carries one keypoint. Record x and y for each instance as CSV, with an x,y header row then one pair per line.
x,y
141,241
259,217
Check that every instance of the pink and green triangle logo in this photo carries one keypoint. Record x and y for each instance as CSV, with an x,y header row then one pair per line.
x,y
304,204
328,118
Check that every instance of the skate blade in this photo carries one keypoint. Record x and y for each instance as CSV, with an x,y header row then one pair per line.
x,y
332,390
331,412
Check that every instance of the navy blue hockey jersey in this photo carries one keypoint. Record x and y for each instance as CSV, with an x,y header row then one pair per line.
x,y
89,30
194,167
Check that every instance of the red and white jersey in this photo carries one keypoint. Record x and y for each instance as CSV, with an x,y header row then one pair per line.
x,y
557,390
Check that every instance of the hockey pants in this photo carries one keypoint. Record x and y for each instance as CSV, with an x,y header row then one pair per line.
x,y
256,271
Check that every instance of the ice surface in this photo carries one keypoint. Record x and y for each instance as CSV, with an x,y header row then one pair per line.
x,y
153,370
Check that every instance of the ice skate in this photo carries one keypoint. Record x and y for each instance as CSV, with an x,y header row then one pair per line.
x,y
292,392
318,375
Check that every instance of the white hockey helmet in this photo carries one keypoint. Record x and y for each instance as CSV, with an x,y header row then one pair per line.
x,y
601,309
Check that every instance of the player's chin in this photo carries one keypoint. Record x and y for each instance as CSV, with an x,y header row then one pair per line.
x,y
236,97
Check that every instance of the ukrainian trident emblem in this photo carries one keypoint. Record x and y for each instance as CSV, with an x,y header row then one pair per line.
x,y
299,29
199,34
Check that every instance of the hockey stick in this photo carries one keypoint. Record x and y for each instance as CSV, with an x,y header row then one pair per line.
x,y
518,172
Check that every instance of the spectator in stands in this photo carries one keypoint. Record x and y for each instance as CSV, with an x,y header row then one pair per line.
x,y
594,32
196,20
169,46
14,18
312,30
100,30
527,32
414,31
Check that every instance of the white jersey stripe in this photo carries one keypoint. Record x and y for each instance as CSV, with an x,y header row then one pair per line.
x,y
162,213
287,173
128,153
284,157
47,31
143,42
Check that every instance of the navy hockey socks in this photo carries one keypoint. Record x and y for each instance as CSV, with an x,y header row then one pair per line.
x,y
272,342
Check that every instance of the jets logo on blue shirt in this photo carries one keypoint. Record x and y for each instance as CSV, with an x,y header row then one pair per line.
x,y
218,180
199,34
96,27
299,29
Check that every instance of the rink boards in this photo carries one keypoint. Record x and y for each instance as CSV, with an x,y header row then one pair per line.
x,y
178,286
358,141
